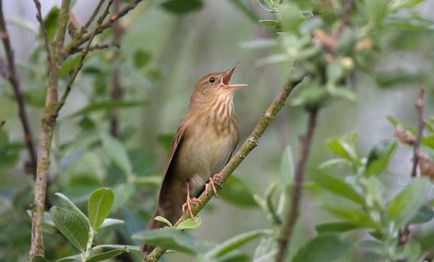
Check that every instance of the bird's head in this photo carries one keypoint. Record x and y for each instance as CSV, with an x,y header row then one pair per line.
x,y
215,86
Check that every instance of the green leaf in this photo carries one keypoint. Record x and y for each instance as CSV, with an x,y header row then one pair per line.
x,y
117,153
406,204
410,23
107,105
163,220
181,7
106,255
338,187
237,192
70,63
171,238
335,227
423,215
189,223
323,248
141,58
35,96
273,24
270,5
290,17
108,222
375,10
352,215
379,157
68,204
99,205
72,226
399,4
50,22
372,246
234,243
340,147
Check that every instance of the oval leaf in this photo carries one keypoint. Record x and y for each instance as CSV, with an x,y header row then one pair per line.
x,y
189,223
323,248
99,205
234,243
106,255
171,238
379,156
405,205
72,226
338,187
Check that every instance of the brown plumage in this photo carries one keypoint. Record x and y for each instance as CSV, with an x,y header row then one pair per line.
x,y
202,145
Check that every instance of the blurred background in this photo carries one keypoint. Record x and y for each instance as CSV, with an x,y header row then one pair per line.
x,y
161,56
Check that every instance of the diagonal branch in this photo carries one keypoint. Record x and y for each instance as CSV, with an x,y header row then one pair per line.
x,y
296,194
12,77
250,143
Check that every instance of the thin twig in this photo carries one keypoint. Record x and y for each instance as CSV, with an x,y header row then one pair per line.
x,y
420,126
296,194
99,29
84,53
116,86
250,143
12,77
405,232
96,47
93,15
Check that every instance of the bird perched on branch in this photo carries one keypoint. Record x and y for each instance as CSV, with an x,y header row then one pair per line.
x,y
203,144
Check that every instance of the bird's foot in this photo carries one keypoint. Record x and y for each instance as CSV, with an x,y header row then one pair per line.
x,y
187,205
212,184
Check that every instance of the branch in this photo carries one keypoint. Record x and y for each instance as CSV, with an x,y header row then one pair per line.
x,y
420,126
93,15
405,232
250,143
84,53
13,79
96,47
76,43
116,86
48,122
296,194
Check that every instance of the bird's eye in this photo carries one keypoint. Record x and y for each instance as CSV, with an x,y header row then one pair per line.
x,y
211,80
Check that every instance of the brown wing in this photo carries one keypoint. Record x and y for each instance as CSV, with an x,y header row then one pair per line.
x,y
176,143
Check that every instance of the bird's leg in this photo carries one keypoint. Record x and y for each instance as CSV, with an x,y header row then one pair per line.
x,y
212,184
189,201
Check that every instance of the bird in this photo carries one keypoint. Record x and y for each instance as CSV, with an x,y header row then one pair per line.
x,y
202,145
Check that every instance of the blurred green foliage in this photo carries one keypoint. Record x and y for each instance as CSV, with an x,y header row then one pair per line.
x,y
357,185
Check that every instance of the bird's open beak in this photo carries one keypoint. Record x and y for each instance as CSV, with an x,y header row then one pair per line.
x,y
227,78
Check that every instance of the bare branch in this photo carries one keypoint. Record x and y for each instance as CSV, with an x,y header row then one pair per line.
x,y
84,53
93,15
250,143
76,43
405,232
420,127
46,130
116,91
296,194
96,47
12,77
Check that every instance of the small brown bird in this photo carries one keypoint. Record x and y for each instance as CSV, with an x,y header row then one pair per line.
x,y
203,143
